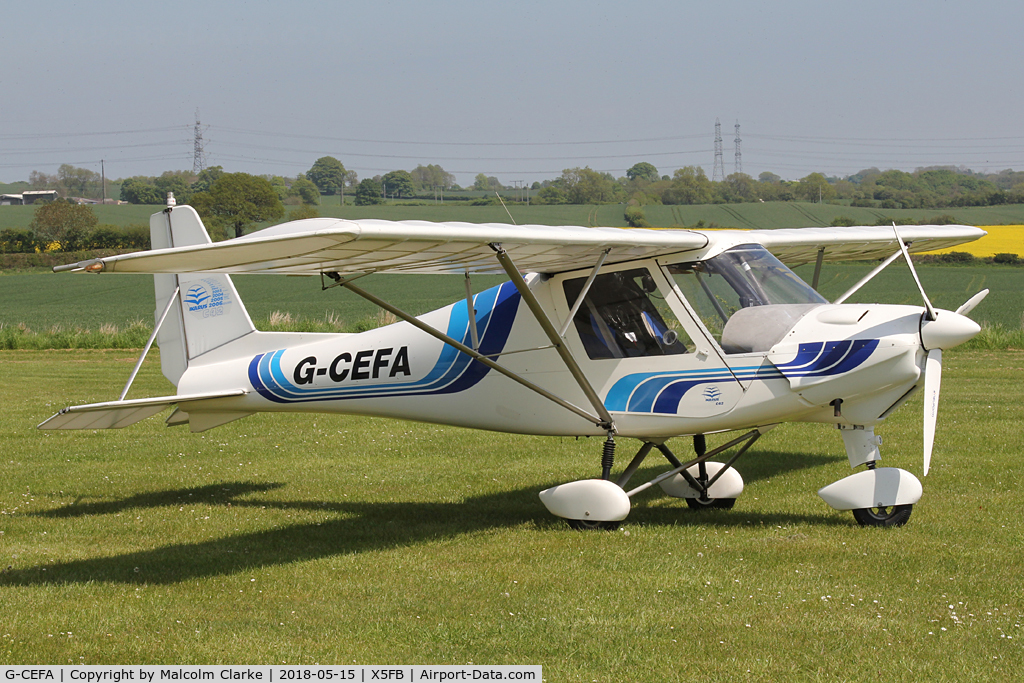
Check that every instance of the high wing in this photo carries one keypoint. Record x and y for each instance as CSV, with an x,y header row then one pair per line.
x,y
801,245
316,245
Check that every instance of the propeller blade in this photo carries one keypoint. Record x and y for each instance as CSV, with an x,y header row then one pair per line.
x,y
913,271
932,380
969,305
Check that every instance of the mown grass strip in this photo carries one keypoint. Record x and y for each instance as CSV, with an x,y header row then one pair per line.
x,y
316,538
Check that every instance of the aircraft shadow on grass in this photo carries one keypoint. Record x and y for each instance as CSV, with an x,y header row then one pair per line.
x,y
361,527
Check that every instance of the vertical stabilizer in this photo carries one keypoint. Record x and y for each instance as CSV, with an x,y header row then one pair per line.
x,y
208,312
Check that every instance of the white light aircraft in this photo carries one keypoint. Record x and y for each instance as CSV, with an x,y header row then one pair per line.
x,y
615,333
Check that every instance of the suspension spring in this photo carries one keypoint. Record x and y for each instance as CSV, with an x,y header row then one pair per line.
x,y
608,457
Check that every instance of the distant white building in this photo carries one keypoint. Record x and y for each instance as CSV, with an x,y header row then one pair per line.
x,y
11,199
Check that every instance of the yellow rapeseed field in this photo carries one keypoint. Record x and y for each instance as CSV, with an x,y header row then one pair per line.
x,y
1001,239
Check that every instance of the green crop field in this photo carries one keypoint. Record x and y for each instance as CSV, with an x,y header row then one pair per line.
x,y
311,538
947,287
42,300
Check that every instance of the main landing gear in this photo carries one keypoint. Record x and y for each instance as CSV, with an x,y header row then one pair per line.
x,y
603,504
877,496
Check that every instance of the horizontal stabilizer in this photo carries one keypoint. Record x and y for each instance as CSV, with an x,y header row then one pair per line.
x,y
117,414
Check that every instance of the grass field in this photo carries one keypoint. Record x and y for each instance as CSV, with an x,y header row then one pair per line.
x,y
307,539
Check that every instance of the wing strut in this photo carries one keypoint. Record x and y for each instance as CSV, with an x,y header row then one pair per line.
x,y
583,294
817,268
472,353
864,280
474,335
549,329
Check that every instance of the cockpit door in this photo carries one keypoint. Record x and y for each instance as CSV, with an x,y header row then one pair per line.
x,y
641,347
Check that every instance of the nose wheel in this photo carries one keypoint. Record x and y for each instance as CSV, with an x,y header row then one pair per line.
x,y
886,515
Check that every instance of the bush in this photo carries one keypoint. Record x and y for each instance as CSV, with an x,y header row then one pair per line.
x,y
368,192
1006,258
303,212
104,237
957,257
63,226
14,241
138,191
888,220
843,222
635,217
136,236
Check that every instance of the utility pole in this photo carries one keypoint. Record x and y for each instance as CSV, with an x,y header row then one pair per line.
x,y
103,177
519,186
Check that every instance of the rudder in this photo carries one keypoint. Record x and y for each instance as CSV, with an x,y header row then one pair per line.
x,y
207,313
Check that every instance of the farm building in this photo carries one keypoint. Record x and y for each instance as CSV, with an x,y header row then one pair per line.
x,y
33,196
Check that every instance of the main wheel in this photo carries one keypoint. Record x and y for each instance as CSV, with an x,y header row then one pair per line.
x,y
892,515
588,525
711,503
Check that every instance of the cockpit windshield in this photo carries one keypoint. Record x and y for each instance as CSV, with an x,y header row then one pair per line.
x,y
750,280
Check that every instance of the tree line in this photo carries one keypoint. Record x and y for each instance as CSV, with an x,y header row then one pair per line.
x,y
893,189
932,187
231,203
65,226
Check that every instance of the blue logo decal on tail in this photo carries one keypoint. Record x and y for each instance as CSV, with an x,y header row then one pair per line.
x,y
208,299
196,296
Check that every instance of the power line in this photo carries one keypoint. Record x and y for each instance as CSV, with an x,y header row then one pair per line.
x,y
442,143
632,155
799,138
64,150
37,136
775,151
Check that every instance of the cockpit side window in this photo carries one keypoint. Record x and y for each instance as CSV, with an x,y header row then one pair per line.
x,y
624,316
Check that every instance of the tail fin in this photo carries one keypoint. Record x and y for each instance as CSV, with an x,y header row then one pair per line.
x,y
208,312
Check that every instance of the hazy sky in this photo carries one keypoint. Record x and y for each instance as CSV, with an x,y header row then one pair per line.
x,y
516,90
